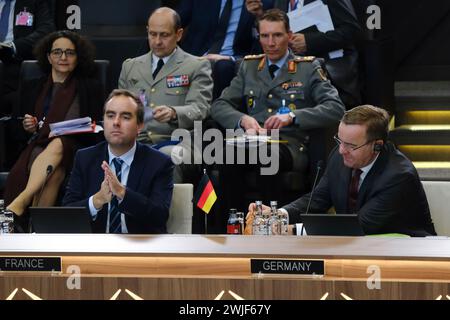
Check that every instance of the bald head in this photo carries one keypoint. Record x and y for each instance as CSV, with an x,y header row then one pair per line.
x,y
169,14
164,31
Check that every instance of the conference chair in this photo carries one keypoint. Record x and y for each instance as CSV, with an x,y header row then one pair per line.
x,y
438,193
181,209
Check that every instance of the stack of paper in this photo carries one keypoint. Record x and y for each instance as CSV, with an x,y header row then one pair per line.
x,y
314,14
79,125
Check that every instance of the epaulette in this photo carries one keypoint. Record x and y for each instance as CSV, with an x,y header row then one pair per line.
x,y
254,56
305,59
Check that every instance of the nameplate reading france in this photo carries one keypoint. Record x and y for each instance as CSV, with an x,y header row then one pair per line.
x,y
299,267
31,264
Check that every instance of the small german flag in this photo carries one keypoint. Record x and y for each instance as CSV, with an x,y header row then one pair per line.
x,y
205,196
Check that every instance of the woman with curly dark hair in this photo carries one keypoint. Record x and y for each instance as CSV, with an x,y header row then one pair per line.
x,y
66,92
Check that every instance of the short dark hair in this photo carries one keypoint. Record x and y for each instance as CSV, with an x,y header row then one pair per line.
x,y
175,16
84,48
127,93
274,15
376,120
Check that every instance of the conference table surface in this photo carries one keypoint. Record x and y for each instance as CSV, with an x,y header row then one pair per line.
x,y
434,248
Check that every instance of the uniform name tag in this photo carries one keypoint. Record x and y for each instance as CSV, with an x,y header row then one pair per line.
x,y
177,81
31,264
24,18
300,267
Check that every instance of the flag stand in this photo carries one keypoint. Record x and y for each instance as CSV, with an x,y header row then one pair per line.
x,y
206,215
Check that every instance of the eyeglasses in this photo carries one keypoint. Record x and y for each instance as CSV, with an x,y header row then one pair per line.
x,y
57,53
349,146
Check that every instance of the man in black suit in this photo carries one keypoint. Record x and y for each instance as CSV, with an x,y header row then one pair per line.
x,y
127,186
343,71
368,176
31,20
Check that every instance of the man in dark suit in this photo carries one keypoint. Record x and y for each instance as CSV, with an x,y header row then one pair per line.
x,y
368,176
344,70
220,30
127,186
31,20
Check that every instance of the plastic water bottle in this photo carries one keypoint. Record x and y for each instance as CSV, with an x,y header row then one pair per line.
x,y
273,224
6,219
284,222
283,109
259,225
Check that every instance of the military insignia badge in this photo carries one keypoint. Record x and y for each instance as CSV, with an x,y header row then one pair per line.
x,y
261,64
292,66
322,74
250,102
290,85
178,81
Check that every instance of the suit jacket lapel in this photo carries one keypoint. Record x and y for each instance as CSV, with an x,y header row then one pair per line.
x,y
376,169
283,74
144,68
135,169
171,66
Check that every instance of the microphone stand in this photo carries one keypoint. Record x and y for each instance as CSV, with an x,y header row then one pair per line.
x,y
319,167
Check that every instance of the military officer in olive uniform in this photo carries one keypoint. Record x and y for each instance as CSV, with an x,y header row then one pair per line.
x,y
175,87
265,81
254,102
178,86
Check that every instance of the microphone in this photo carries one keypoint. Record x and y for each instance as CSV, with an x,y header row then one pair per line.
x,y
318,168
47,175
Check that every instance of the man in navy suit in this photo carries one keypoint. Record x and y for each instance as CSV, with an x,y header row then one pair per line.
x,y
222,31
127,186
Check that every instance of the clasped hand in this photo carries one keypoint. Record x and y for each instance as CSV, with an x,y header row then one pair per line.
x,y
278,121
110,187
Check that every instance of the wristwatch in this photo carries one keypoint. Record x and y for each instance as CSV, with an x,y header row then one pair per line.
x,y
292,115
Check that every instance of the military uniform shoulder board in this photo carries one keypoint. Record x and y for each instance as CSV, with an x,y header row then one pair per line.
x,y
305,59
254,56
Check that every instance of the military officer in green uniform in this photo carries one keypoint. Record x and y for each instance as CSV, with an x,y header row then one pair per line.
x,y
275,90
265,81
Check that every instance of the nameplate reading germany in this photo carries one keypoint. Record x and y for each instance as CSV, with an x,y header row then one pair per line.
x,y
31,264
299,267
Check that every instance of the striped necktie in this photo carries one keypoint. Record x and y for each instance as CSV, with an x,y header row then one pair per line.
x,y
115,222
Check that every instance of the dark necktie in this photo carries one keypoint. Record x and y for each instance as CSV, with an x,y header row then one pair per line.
x,y
115,223
353,190
4,20
272,69
221,31
158,67
293,5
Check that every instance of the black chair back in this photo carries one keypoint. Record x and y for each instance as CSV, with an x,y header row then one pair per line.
x,y
30,70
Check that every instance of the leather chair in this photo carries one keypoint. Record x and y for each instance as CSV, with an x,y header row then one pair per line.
x,y
31,70
181,209
1,80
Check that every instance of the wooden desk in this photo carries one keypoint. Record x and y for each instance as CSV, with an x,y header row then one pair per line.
x,y
201,267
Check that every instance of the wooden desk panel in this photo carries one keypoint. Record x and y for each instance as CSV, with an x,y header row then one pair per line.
x,y
200,267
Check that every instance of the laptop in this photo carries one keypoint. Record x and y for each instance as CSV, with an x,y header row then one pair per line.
x,y
60,220
332,225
